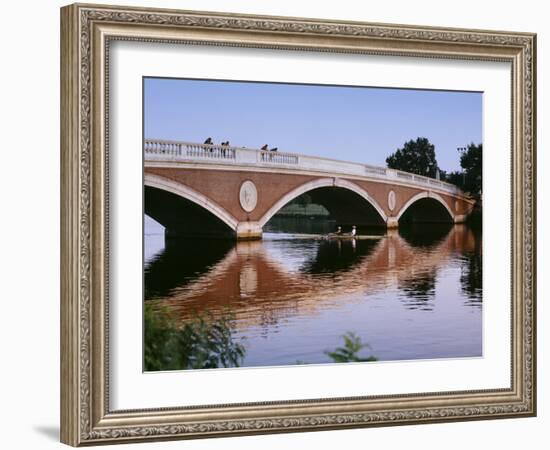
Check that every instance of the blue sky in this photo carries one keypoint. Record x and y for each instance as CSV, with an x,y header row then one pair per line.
x,y
357,124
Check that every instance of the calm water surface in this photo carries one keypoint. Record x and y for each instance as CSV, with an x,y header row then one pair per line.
x,y
409,294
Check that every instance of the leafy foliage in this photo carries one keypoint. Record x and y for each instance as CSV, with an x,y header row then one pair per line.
x,y
469,179
302,200
157,333
456,178
200,344
471,163
303,205
415,157
350,351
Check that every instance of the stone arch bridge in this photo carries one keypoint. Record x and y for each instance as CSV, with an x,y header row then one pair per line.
x,y
220,191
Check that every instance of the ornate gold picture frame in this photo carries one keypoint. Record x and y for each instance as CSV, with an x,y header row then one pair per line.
x,y
87,33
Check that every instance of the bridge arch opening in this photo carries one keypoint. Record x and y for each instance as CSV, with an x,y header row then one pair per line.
x,y
425,208
346,203
184,212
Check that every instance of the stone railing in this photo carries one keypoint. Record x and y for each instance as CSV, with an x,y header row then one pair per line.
x,y
187,150
278,158
374,170
161,150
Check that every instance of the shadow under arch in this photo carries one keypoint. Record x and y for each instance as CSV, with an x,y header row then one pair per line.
x,y
180,263
425,207
185,212
425,235
346,202
336,257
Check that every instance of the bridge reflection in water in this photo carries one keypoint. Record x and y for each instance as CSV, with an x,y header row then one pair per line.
x,y
411,294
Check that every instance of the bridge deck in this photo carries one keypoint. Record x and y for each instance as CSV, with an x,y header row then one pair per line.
x,y
179,151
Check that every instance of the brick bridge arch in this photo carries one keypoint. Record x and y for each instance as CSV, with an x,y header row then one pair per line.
x,y
427,195
168,216
317,184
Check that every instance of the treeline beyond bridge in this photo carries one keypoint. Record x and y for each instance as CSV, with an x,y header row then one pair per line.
x,y
220,191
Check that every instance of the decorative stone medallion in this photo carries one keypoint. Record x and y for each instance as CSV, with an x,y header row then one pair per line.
x,y
248,196
391,200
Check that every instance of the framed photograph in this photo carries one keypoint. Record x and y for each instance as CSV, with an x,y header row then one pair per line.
x,y
276,224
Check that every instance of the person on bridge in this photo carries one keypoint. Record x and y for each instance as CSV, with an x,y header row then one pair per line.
x,y
339,231
264,148
224,144
353,231
208,141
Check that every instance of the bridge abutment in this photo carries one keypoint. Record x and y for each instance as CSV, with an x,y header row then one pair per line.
x,y
392,222
249,231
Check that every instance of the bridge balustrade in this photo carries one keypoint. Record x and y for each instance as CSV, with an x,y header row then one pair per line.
x,y
278,158
160,149
163,148
404,175
209,151
373,170
420,179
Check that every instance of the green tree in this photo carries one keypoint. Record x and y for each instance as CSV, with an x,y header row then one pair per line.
x,y
350,351
202,343
303,200
471,163
456,177
415,157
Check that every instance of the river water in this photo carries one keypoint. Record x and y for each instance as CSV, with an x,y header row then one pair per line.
x,y
409,294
